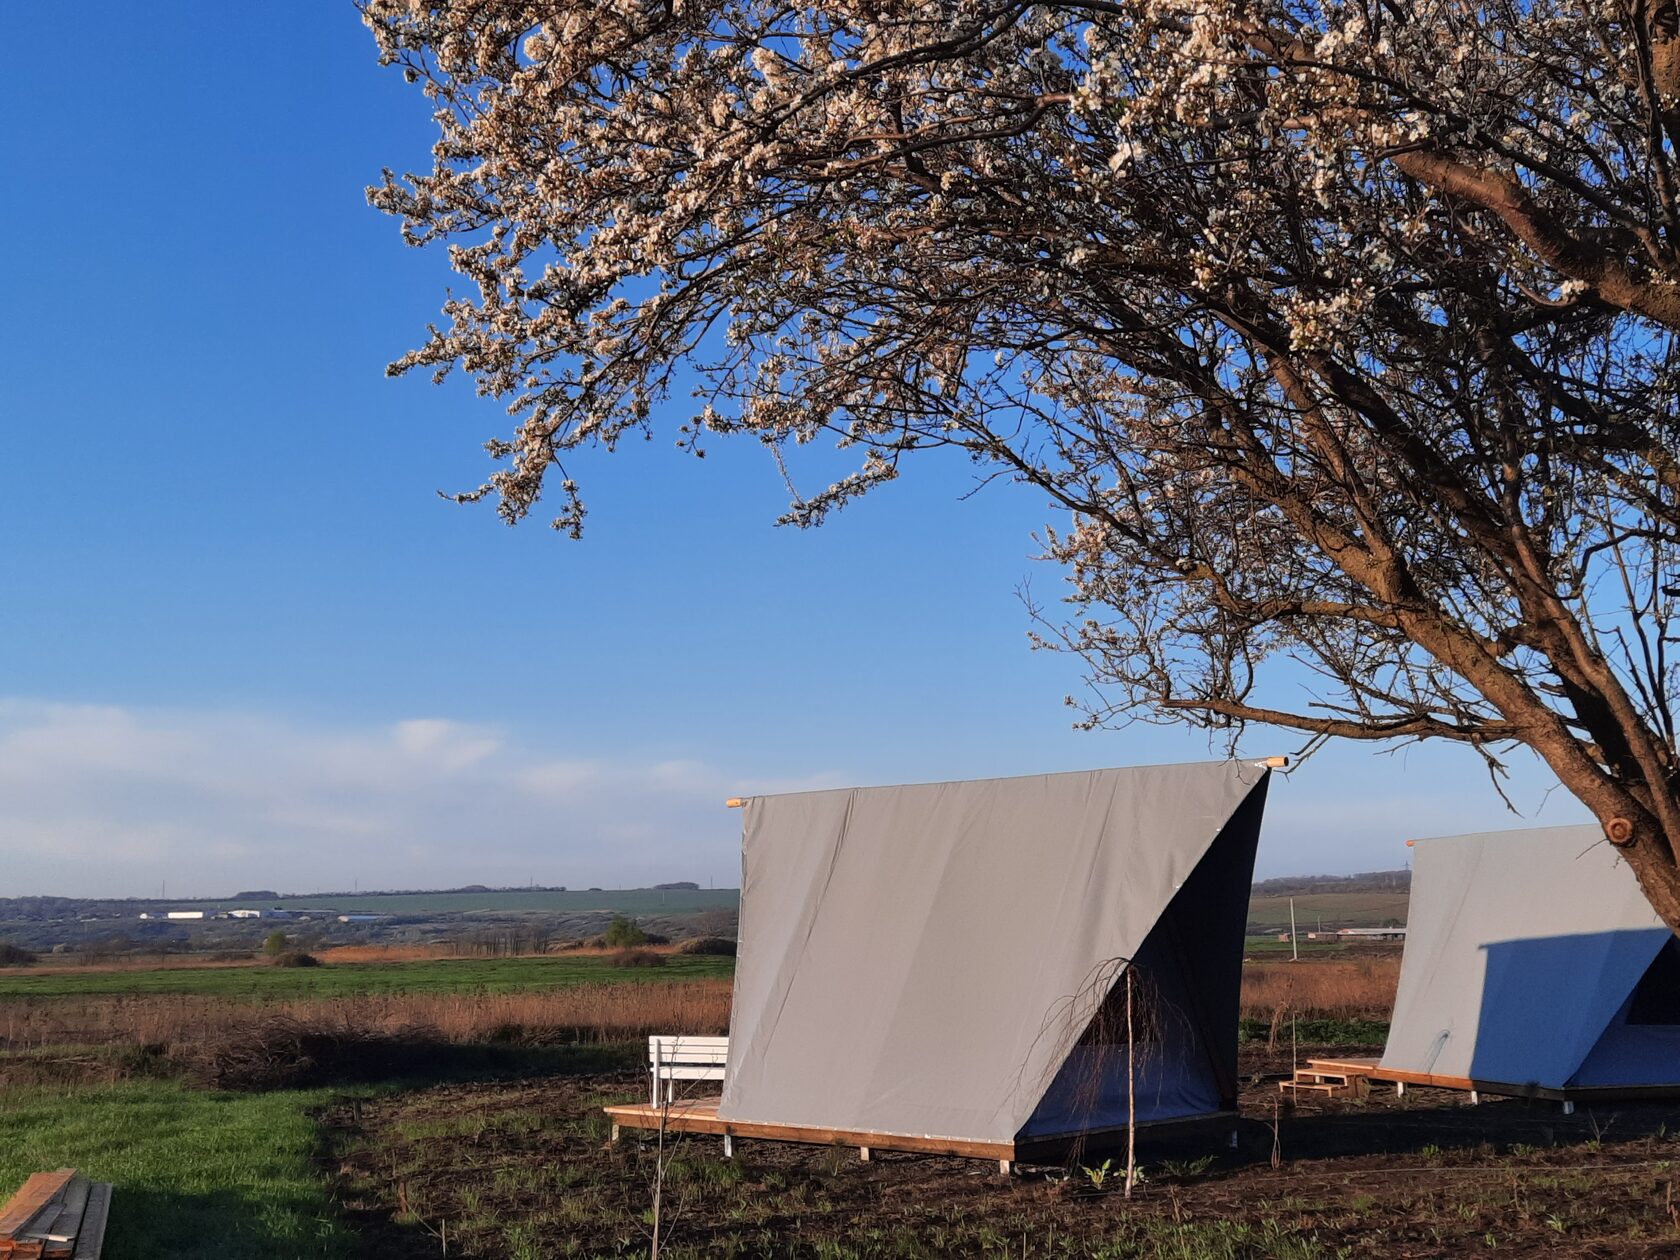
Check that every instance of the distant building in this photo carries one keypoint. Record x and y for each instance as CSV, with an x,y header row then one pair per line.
x,y
246,912
1372,934
362,918
185,914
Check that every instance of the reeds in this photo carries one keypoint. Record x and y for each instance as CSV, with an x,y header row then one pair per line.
x,y
1331,989
592,1013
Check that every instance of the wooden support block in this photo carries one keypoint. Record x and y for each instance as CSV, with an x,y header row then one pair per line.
x,y
1006,1167
863,1154
729,1146
1568,1107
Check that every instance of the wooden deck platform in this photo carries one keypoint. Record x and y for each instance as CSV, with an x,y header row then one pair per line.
x,y
699,1115
1354,1074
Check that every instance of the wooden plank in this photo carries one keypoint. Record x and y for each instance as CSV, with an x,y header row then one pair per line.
x,y
700,1116
1372,1069
90,1241
41,1190
57,1230
1342,1065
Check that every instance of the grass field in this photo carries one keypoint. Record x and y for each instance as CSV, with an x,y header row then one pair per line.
x,y
196,1174
123,1060
1333,909
632,901
342,980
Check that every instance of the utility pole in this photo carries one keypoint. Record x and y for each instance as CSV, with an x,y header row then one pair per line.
x,y
1294,939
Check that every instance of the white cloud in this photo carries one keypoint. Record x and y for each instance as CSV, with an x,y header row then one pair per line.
x,y
103,800
100,799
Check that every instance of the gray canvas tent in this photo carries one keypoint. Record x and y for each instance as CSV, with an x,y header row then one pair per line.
x,y
1534,965
941,960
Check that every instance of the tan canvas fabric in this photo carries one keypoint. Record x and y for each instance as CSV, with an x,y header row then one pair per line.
x,y
920,959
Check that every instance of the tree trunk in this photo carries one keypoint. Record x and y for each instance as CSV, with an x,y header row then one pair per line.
x,y
1658,875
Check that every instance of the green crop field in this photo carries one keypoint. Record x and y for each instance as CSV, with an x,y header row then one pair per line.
x,y
452,975
573,901
1368,909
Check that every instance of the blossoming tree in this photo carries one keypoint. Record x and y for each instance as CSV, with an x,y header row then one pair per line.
x,y
1345,334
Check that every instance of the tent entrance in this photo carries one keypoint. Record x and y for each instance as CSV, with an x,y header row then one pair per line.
x,y
1186,988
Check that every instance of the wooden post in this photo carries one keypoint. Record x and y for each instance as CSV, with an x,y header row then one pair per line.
x,y
863,1154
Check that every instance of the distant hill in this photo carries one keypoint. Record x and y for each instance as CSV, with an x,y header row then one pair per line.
x,y
1302,885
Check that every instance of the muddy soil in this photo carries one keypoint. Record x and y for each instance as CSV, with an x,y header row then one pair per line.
x,y
524,1169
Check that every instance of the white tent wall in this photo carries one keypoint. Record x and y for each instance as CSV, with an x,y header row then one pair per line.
x,y
918,960
1522,949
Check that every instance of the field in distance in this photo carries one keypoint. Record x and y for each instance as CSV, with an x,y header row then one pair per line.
x,y
440,975
632,901
1333,909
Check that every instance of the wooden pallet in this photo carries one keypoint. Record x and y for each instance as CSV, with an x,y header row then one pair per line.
x,y
55,1216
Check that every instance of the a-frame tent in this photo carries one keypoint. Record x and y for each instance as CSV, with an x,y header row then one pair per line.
x,y
937,966
1534,966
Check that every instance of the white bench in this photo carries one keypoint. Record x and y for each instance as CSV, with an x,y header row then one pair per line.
x,y
673,1059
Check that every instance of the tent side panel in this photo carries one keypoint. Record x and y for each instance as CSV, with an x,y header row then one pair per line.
x,y
1520,948
1185,1005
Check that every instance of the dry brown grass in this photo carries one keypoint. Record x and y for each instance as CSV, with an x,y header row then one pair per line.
x,y
1328,989
183,1022
595,1013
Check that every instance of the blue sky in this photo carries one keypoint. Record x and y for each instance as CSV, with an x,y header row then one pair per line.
x,y
243,642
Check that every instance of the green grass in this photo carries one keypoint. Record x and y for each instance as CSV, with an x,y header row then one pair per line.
x,y
195,1174
648,901
1335,1032
1369,909
452,975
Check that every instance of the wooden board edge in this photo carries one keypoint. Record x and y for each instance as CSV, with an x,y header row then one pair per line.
x,y
40,1191
63,1225
641,1116
90,1241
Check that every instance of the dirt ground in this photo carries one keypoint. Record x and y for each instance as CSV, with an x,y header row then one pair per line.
x,y
524,1169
